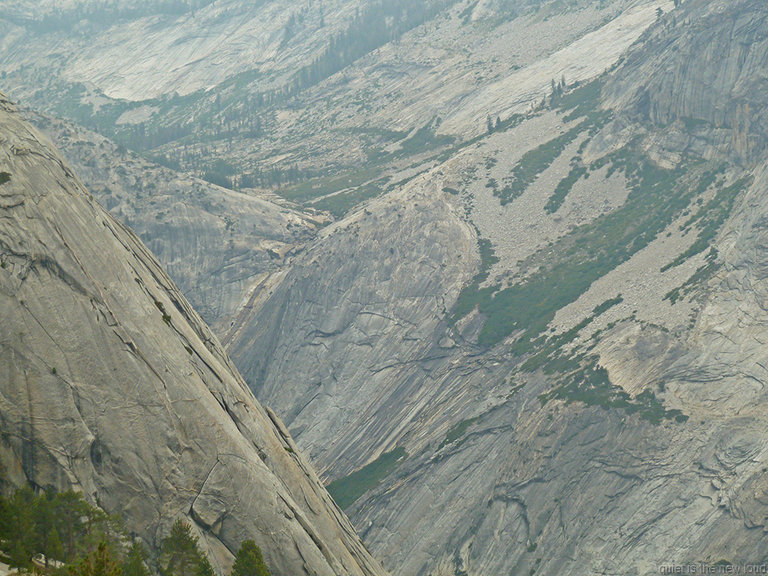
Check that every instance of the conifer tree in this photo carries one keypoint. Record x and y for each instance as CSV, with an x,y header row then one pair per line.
x,y
204,567
97,563
249,561
69,510
135,561
180,555
21,528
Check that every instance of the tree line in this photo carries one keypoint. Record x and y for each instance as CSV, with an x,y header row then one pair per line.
x,y
63,535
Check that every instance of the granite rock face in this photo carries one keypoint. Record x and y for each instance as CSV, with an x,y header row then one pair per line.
x,y
111,384
511,468
342,340
189,91
631,432
217,244
706,73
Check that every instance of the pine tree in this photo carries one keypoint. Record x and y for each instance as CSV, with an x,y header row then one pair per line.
x,y
20,555
69,510
204,567
47,539
180,555
97,563
249,561
21,528
135,561
55,548
5,518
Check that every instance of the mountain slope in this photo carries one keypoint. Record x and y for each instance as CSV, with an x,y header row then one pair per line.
x,y
113,385
217,244
284,92
530,347
707,74
593,400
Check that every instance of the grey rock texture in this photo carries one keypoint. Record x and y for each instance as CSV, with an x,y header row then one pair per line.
x,y
707,73
111,384
340,343
173,55
216,244
353,342
496,481
472,58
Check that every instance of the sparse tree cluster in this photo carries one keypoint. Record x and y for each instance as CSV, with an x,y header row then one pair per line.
x,y
63,534
557,89
375,26
62,527
493,126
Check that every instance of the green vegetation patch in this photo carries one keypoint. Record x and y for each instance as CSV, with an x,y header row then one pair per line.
x,y
4,177
566,269
339,193
702,274
341,203
591,385
77,539
458,431
166,316
582,100
550,356
424,140
345,491
469,296
62,526
564,187
534,162
323,186
710,218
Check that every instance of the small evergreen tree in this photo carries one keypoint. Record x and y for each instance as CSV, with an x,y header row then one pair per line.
x,y
47,540
5,518
21,537
204,567
97,563
20,555
135,561
249,561
180,555
54,549
69,510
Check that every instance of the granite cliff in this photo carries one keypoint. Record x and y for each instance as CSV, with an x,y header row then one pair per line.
x,y
585,394
532,339
111,384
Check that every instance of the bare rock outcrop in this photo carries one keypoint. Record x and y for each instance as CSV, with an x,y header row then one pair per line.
x,y
707,74
339,341
111,384
217,244
501,475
